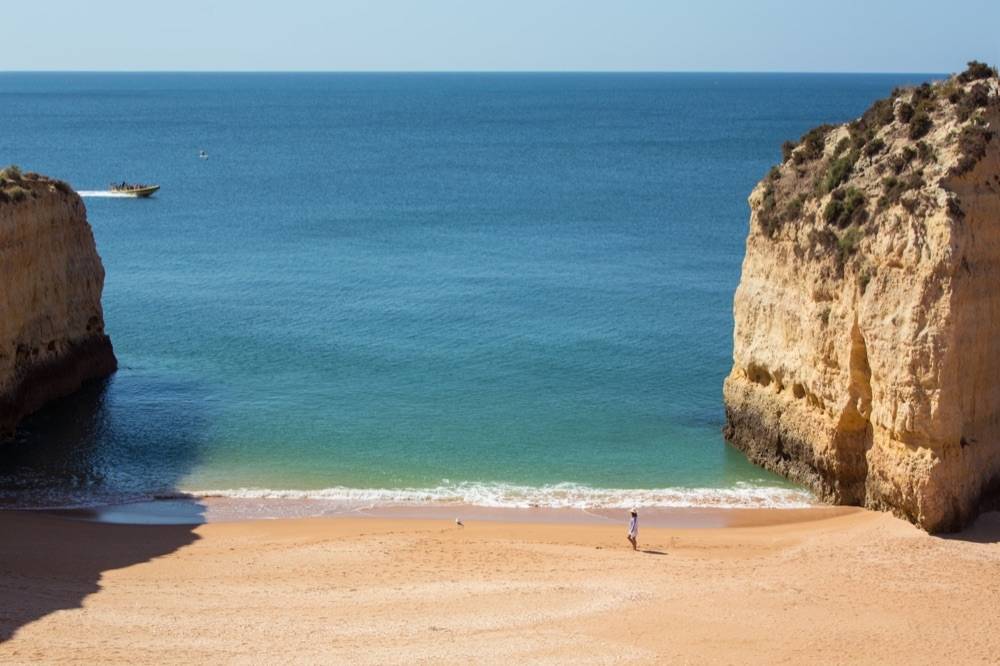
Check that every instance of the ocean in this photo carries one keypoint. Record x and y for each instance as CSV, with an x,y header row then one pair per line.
x,y
495,289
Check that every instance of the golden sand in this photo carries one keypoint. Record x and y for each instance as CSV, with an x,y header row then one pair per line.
x,y
856,587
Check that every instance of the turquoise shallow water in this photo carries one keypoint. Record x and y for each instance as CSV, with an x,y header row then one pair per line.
x,y
499,288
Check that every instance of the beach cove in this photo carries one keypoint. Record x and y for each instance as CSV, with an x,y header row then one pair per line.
x,y
500,333
502,289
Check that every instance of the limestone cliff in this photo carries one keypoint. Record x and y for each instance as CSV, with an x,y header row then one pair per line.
x,y
51,323
866,359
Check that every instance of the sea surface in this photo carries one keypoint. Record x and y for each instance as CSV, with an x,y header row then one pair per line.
x,y
497,289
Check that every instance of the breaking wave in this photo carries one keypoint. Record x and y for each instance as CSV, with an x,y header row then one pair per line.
x,y
563,495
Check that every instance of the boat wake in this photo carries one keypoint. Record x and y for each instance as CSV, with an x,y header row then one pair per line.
x,y
104,194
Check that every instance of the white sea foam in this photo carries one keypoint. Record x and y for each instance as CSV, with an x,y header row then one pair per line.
x,y
563,495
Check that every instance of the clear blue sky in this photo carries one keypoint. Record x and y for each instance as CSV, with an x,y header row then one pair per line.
x,y
727,35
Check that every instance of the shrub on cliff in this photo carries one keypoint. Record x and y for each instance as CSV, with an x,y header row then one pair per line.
x,y
972,144
838,171
920,125
878,114
905,112
62,186
902,159
977,70
925,152
786,150
848,243
977,97
769,221
845,207
834,211
893,188
10,174
812,144
16,193
794,209
874,147
923,95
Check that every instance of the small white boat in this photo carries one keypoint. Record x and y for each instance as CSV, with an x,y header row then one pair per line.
x,y
202,155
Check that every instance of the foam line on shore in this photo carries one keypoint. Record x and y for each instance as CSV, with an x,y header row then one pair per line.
x,y
564,495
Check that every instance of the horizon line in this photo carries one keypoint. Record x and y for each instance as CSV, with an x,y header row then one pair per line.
x,y
457,71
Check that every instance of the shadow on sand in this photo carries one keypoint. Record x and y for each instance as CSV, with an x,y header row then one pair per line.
x,y
113,439
50,563
985,529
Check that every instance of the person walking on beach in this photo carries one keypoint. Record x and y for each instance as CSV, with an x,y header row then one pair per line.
x,y
633,528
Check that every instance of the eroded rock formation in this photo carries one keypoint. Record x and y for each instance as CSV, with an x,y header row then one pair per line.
x,y
51,323
867,339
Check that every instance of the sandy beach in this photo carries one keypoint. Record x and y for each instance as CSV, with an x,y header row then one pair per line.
x,y
836,587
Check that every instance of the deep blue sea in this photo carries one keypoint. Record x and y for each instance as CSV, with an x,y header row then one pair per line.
x,y
504,289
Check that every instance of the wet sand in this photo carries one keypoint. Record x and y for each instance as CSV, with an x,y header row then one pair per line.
x,y
835,586
182,511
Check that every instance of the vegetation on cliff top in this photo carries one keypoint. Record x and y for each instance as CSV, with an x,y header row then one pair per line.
x,y
846,178
978,70
17,186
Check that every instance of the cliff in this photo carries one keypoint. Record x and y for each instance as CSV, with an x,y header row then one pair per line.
x,y
51,323
866,360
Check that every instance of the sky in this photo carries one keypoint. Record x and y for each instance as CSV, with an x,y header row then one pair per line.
x,y
507,35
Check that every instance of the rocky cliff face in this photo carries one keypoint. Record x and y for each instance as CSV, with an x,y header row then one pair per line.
x,y
51,324
866,358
